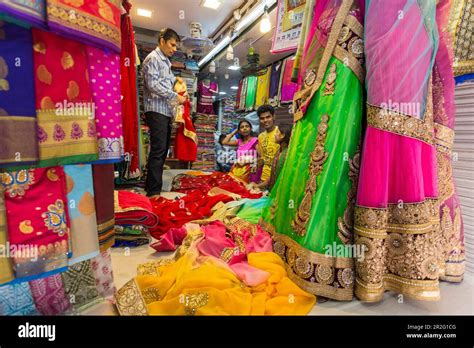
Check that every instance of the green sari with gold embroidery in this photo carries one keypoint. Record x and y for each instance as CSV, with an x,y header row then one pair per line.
x,y
310,215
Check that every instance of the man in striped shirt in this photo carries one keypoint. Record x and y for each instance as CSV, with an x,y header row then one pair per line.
x,y
159,100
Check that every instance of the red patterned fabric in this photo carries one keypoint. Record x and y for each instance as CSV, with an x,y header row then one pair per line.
x,y
49,295
134,209
186,138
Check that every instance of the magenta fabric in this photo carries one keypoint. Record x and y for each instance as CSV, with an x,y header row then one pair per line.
x,y
247,149
170,240
49,295
104,75
288,87
216,241
206,92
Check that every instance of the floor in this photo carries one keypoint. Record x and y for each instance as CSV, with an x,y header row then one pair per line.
x,y
456,299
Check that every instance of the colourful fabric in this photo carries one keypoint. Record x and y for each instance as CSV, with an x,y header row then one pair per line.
x,y
277,166
306,23
310,209
174,214
6,269
18,143
130,97
79,285
245,167
460,28
38,221
251,211
250,93
103,178
397,213
287,86
66,129
16,300
84,235
132,208
95,22
263,85
194,285
186,139
243,94
239,95
268,149
206,92
453,256
30,11
104,278
104,75
170,240
49,296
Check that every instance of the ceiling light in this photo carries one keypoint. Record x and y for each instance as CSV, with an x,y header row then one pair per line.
x,y
144,13
212,4
234,67
265,24
222,93
214,51
234,87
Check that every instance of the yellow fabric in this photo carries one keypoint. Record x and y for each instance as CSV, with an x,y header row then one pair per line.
x,y
197,285
240,172
263,85
6,270
268,149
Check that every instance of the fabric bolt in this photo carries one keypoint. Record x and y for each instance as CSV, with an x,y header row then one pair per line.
x,y
104,75
49,296
309,213
103,178
263,86
66,129
38,221
250,93
133,208
399,157
128,75
17,300
80,194
80,285
104,278
6,269
31,11
288,88
93,22
18,145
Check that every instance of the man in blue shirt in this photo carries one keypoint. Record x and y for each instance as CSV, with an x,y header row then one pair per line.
x,y
159,103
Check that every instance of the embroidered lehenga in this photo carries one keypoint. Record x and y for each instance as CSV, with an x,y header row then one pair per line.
x,y
311,201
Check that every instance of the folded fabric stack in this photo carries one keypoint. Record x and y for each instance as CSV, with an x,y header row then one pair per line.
x,y
134,218
205,128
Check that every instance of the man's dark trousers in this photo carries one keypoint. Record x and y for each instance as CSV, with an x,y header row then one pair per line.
x,y
160,134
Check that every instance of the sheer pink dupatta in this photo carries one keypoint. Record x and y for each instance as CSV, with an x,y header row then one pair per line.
x,y
452,231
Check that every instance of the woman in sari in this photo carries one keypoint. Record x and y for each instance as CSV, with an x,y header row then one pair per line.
x,y
397,212
245,166
310,212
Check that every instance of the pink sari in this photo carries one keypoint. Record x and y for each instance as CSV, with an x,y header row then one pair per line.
x,y
397,213
242,169
452,232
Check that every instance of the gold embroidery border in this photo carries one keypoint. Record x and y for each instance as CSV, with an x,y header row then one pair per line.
x,y
129,300
306,94
58,13
444,137
400,124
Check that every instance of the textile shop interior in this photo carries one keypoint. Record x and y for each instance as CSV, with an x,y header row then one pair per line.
x,y
275,157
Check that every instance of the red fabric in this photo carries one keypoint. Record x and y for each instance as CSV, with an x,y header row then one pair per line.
x,y
170,240
129,93
185,145
190,184
134,209
176,213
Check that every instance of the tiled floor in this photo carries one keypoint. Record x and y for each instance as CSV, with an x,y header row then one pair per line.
x,y
456,299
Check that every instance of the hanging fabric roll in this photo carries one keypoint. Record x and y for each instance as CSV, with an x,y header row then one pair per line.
x,y
38,221
104,74
263,84
66,127
251,91
80,195
18,144
103,175
130,97
94,22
